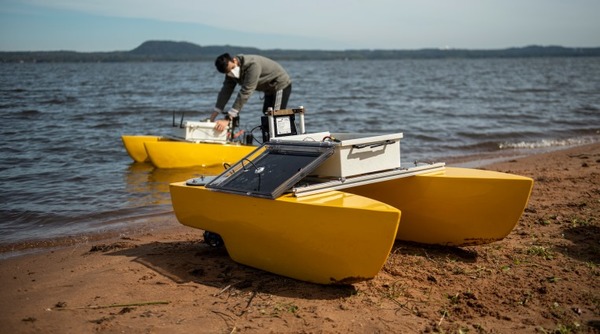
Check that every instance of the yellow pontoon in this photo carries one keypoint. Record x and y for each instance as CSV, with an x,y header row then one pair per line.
x,y
134,145
327,238
457,206
179,154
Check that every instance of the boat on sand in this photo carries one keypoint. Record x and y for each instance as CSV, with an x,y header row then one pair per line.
x,y
282,239
329,211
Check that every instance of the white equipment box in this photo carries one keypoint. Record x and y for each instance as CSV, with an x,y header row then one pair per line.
x,y
356,154
201,132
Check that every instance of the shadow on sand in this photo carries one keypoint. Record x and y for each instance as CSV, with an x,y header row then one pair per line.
x,y
197,262
585,243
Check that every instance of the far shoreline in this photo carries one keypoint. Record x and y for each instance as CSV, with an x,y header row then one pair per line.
x,y
164,51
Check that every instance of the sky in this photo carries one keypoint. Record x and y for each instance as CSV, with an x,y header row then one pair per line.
x,y
122,25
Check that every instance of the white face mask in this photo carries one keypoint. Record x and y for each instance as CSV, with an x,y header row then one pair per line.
x,y
235,72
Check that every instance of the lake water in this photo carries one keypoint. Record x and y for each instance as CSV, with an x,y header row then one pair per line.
x,y
64,170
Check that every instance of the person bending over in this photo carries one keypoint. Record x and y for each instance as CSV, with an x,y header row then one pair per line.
x,y
252,73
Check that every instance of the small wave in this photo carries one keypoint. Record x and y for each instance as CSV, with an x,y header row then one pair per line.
x,y
61,100
327,112
586,110
30,112
19,226
16,219
16,114
548,143
104,126
529,90
422,137
13,90
483,146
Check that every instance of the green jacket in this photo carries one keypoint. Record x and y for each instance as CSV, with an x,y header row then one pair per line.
x,y
256,73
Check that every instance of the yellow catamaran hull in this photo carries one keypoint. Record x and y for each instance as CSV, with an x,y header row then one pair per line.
x,y
328,238
180,154
134,145
164,152
458,206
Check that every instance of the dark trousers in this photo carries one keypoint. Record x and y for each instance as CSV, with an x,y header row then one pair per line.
x,y
278,100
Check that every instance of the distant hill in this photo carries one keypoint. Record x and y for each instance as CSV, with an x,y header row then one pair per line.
x,y
185,51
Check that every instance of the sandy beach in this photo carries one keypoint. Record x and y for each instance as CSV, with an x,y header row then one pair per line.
x,y
162,278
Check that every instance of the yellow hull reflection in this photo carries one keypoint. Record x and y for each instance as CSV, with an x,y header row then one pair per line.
x,y
328,238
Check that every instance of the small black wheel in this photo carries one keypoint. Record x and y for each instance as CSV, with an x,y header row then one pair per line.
x,y
213,239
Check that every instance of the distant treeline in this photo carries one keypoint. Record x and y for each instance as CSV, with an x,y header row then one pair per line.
x,y
184,51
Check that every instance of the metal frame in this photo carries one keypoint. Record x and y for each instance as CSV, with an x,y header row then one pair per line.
x,y
272,114
316,185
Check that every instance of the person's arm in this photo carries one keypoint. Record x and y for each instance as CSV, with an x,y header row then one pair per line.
x,y
214,115
224,95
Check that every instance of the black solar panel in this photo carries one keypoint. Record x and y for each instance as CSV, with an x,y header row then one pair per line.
x,y
272,169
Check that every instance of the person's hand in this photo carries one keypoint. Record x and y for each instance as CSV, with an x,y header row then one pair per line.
x,y
221,125
214,115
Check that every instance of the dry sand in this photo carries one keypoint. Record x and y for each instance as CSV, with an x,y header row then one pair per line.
x,y
543,278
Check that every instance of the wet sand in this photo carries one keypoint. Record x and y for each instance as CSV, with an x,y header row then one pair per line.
x,y
160,277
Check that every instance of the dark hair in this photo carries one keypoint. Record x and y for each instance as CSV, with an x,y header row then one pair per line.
x,y
222,61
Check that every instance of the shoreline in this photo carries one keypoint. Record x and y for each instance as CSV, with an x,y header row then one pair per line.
x,y
479,160
146,223
162,278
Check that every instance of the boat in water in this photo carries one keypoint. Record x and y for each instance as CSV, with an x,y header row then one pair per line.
x,y
193,144
198,144
329,211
